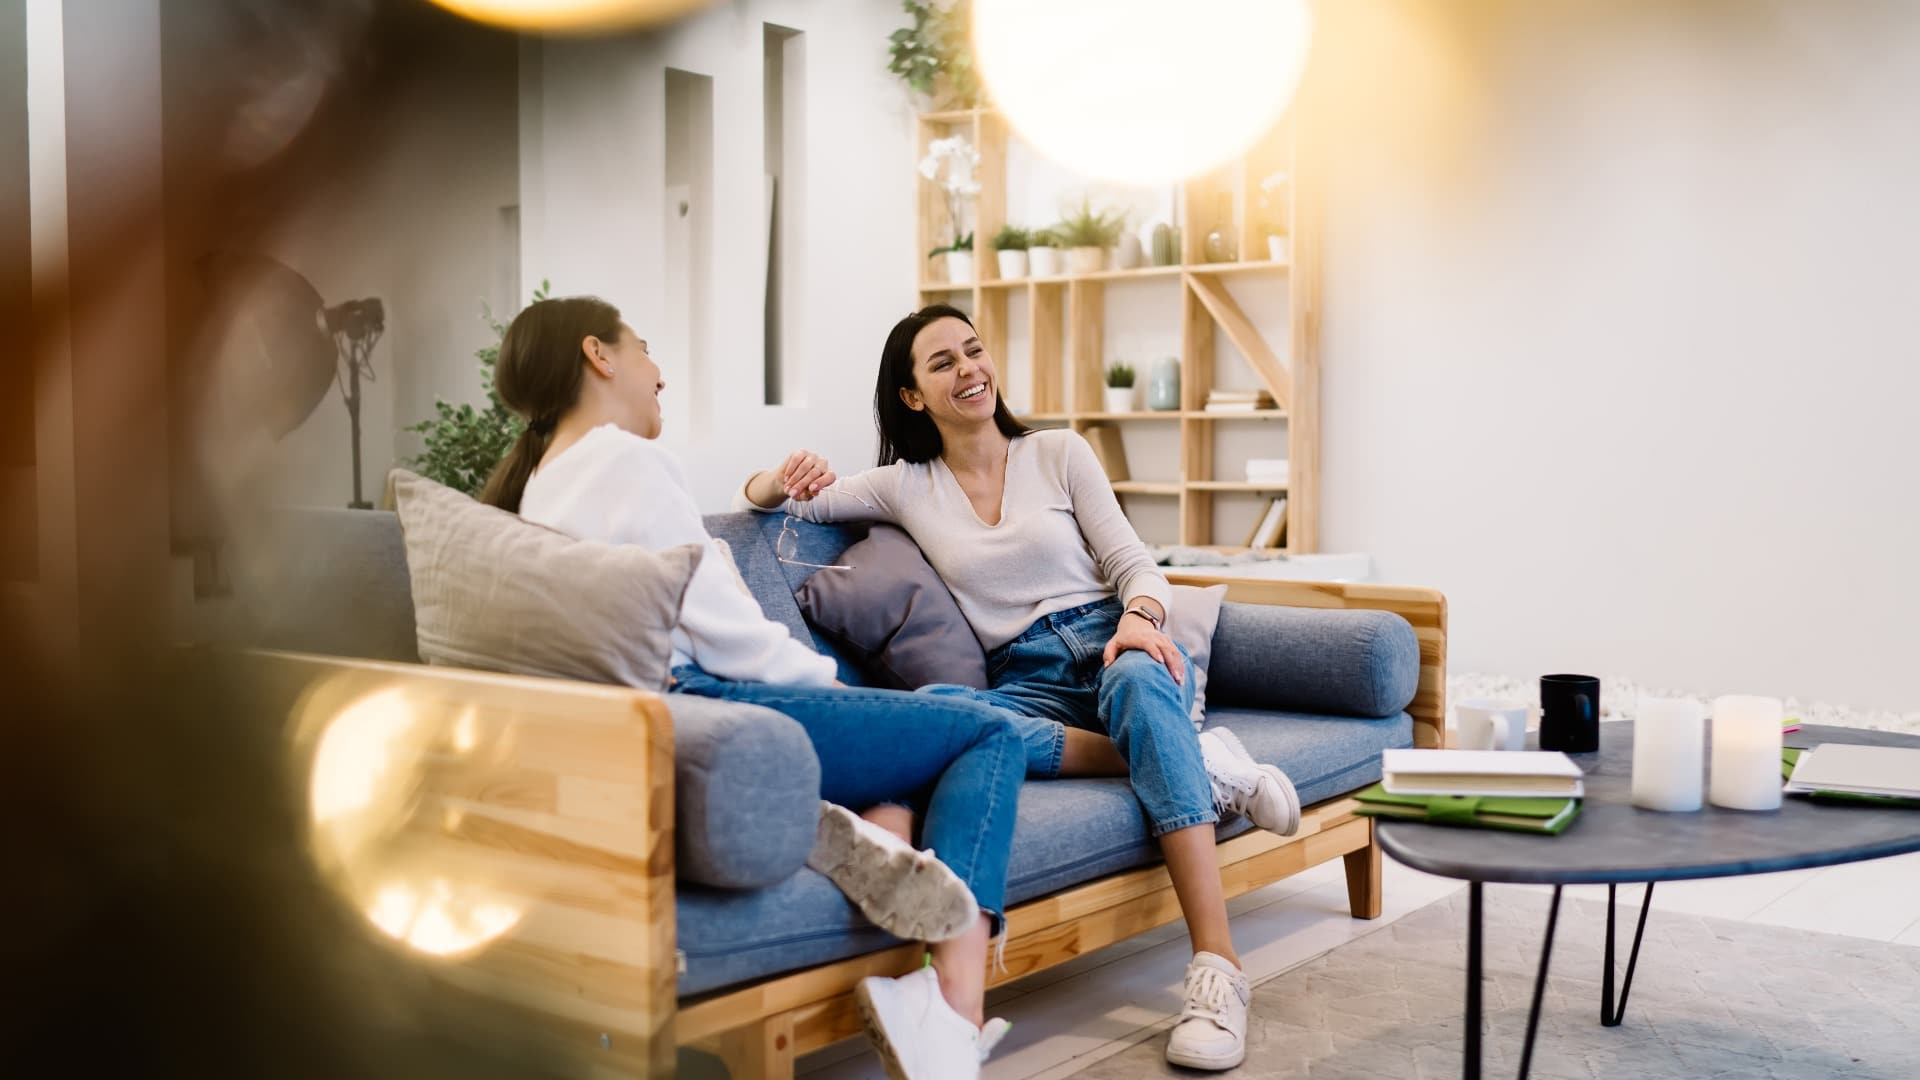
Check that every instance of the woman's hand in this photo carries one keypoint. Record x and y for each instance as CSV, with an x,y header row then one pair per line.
x,y
1135,632
802,476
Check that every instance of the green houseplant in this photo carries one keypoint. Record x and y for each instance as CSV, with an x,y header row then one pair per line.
x,y
935,55
1087,233
1010,249
1119,396
462,443
1043,253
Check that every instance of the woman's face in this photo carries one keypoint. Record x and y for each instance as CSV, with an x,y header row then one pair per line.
x,y
954,380
635,381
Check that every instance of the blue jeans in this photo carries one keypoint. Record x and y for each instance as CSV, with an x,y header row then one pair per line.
x,y
1051,677
959,762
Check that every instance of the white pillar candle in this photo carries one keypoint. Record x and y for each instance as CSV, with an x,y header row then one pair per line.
x,y
1669,752
1746,753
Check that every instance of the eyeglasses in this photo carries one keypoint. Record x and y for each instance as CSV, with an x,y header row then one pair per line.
x,y
786,547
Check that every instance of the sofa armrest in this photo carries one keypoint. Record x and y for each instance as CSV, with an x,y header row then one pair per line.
x,y
1424,609
554,799
747,785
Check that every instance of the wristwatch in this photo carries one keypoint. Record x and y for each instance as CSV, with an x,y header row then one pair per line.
x,y
1144,612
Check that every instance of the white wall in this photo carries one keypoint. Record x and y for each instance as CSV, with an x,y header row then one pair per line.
x,y
415,220
1619,311
593,131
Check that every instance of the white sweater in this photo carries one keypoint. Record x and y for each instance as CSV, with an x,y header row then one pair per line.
x,y
617,488
1061,540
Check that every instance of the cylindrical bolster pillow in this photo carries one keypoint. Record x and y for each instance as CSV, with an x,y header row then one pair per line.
x,y
746,789
1346,663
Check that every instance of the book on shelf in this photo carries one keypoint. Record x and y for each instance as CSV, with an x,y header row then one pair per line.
x,y
1271,530
1112,452
1269,470
1537,815
1239,401
1485,773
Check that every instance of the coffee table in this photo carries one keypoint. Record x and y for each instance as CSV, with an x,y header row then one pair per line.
x,y
1614,842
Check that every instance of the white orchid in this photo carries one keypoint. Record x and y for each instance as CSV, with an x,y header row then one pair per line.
x,y
959,159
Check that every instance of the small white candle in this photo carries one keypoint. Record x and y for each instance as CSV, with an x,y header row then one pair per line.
x,y
1669,750
1746,753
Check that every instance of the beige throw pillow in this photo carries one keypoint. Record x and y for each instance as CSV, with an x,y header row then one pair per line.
x,y
1196,611
495,592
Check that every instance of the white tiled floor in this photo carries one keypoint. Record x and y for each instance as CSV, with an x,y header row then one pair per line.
x,y
1100,1004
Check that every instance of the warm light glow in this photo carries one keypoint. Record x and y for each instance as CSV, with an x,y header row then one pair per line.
x,y
571,16
440,919
1141,91
366,801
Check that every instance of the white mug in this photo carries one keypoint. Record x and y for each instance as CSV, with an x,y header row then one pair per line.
x,y
1486,724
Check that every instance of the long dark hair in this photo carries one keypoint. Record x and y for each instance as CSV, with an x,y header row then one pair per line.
x,y
538,376
907,435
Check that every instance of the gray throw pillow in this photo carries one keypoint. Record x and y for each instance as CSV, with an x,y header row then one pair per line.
x,y
894,616
495,592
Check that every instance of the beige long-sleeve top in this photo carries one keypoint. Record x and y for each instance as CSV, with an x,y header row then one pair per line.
x,y
1061,540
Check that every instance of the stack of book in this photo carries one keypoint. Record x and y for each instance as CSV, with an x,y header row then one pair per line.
x,y
1525,790
1275,471
1270,531
1239,400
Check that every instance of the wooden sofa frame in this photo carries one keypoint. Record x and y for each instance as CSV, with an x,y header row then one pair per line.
x,y
574,805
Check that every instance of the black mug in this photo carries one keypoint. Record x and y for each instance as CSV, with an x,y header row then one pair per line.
x,y
1570,713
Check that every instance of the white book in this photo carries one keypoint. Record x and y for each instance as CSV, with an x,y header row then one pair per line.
x,y
1519,773
1271,523
1858,770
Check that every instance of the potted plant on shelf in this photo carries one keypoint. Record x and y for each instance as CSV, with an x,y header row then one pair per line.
x,y
1010,248
1043,253
1119,388
1273,213
1087,234
935,55
949,164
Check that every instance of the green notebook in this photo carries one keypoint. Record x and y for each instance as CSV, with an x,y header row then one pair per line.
x,y
1471,811
1790,756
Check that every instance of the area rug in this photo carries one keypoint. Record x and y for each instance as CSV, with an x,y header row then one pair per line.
x,y
1711,1000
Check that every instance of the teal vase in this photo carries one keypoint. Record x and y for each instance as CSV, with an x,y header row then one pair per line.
x,y
1163,389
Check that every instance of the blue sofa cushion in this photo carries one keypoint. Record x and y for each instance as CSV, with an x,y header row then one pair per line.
x,y
1343,663
1068,832
751,537
746,793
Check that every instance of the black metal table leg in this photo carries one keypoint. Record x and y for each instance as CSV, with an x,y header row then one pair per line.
x,y
1540,985
1610,1014
1473,982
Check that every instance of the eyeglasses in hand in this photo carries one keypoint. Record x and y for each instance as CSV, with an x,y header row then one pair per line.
x,y
786,547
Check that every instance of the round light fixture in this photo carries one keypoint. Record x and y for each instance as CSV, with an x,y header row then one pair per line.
x,y
571,16
1141,91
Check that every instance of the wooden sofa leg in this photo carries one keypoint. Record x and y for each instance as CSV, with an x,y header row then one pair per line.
x,y
1363,878
758,1051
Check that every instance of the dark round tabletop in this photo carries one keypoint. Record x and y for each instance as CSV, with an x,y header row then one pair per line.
x,y
1614,841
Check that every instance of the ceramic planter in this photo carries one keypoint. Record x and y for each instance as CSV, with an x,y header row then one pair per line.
x,y
1045,261
1013,264
959,267
1086,260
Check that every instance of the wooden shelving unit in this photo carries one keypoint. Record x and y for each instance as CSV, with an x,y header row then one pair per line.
x,y
1066,315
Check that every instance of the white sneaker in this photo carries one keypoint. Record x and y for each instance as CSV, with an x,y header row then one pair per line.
x,y
909,894
1242,785
917,1034
1212,1033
